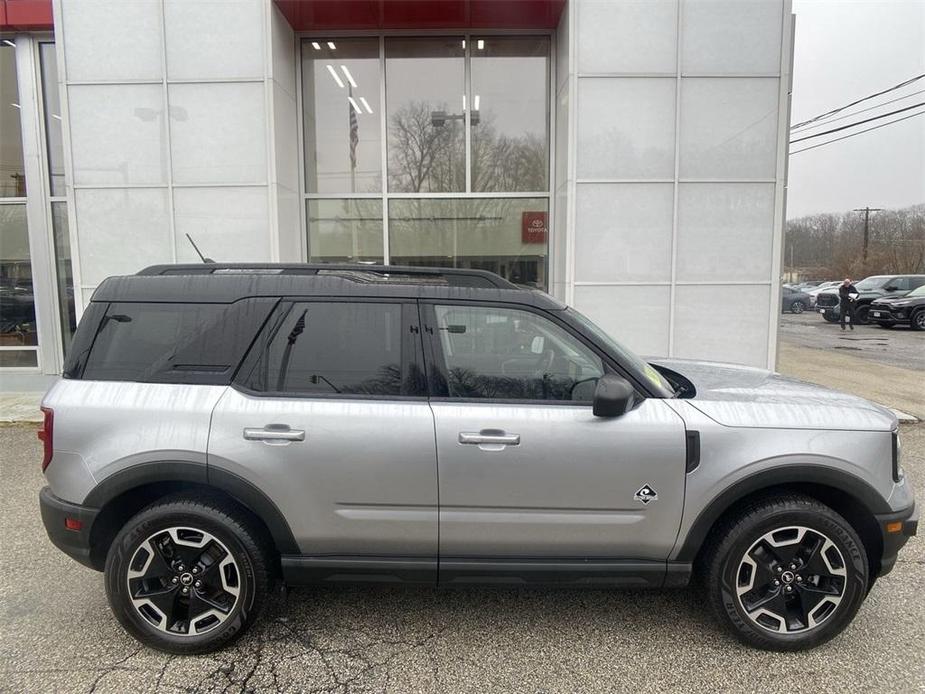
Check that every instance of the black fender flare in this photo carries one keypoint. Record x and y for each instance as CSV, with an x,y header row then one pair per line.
x,y
202,475
785,475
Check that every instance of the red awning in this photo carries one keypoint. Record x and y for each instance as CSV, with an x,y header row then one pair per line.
x,y
315,15
25,15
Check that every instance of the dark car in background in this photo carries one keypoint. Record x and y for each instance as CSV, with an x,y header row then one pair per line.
x,y
901,310
870,289
794,300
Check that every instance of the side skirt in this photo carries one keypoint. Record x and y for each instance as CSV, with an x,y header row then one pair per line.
x,y
460,571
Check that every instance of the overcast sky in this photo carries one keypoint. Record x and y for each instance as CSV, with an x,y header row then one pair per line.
x,y
845,50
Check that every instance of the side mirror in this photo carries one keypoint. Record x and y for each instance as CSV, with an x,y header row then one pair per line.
x,y
613,396
891,288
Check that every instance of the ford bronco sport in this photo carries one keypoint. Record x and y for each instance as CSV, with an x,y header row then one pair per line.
x,y
219,427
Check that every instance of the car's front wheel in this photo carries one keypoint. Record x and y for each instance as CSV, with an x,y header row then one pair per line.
x,y
787,573
186,576
830,315
918,320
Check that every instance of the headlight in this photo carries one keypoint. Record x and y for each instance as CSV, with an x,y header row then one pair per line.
x,y
898,473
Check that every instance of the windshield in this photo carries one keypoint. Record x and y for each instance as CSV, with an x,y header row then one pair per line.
x,y
643,371
871,283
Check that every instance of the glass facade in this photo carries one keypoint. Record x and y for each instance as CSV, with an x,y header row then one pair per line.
x,y
436,177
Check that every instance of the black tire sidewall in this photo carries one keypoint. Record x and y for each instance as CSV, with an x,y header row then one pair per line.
x,y
233,535
740,539
915,317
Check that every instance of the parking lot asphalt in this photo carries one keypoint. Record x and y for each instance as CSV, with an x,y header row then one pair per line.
x,y
57,635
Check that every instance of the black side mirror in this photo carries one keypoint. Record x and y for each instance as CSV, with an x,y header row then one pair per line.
x,y
891,288
613,396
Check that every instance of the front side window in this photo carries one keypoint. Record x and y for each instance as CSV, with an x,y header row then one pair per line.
x,y
337,348
510,354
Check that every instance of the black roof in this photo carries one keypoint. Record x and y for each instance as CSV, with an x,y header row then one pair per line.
x,y
227,282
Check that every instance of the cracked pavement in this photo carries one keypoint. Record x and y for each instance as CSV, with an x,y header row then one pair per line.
x,y
57,635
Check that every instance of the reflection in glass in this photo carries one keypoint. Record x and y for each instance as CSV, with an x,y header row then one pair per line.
x,y
506,235
17,301
345,231
63,273
12,171
52,99
510,113
426,114
343,150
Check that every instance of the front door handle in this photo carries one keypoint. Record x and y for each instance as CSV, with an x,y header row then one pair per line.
x,y
274,433
489,436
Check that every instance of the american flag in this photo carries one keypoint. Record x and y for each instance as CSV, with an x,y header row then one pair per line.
x,y
354,134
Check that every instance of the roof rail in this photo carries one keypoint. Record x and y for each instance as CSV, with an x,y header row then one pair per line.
x,y
401,274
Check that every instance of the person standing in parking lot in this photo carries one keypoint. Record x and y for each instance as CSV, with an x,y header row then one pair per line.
x,y
847,293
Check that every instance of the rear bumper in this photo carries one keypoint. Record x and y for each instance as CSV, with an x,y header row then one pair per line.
x,y
894,541
74,543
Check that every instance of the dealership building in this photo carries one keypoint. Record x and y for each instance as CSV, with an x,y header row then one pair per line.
x,y
627,156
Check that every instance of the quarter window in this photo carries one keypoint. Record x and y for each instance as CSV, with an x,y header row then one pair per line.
x,y
338,348
509,354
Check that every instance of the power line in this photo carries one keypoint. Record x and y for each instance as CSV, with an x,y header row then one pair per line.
x,y
829,121
860,122
859,132
854,103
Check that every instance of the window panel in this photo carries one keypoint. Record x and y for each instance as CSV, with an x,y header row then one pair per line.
x,y
510,113
345,231
339,348
343,140
426,122
627,36
505,354
17,299
52,102
731,36
507,236
18,358
12,170
63,272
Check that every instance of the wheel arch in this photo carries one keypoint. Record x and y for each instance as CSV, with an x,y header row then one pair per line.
x,y
844,493
126,492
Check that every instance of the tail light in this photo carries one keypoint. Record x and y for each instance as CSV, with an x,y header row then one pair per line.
x,y
46,434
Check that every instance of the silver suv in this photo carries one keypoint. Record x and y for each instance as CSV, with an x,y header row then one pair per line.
x,y
219,427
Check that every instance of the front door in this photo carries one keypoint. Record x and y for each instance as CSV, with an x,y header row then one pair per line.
x,y
329,418
525,469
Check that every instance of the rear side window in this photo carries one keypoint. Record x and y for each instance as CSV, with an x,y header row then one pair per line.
x,y
174,343
339,348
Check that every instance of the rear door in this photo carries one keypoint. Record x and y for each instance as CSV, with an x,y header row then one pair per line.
x,y
329,418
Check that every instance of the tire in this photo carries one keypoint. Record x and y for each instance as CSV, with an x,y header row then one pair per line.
x,y
164,553
861,316
830,316
797,307
917,320
741,565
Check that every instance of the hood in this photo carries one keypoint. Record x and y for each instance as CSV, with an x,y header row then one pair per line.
x,y
893,298
741,396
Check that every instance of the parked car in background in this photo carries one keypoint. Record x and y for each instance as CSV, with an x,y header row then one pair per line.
x,y
902,310
870,288
793,300
814,292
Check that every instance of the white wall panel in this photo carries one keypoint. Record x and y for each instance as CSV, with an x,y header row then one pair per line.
x,y
636,316
210,40
219,133
625,232
112,39
627,35
118,133
228,224
722,323
121,231
724,231
731,36
729,127
626,127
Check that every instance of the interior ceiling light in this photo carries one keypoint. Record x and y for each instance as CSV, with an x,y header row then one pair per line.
x,y
10,43
331,45
480,44
335,76
475,105
348,76
354,104
16,106
365,104
316,45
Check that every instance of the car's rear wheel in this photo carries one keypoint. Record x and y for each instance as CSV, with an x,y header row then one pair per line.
x,y
186,576
862,315
917,321
797,307
786,573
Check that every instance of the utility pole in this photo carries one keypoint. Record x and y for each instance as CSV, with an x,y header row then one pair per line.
x,y
867,211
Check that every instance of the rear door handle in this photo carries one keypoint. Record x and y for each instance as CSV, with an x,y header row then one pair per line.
x,y
487,436
274,433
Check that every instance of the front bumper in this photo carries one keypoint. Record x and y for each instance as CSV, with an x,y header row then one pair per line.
x,y
894,539
888,314
75,543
